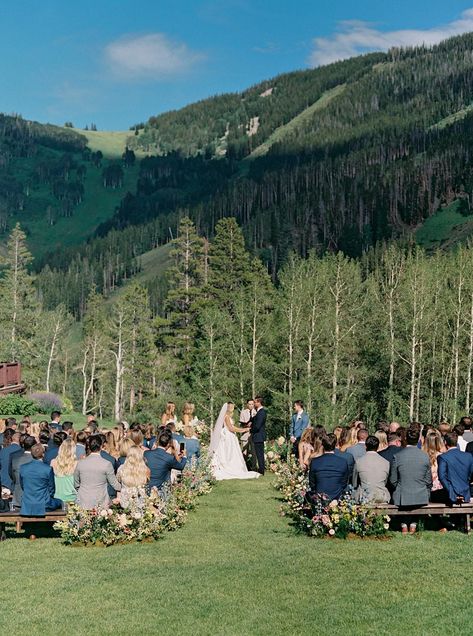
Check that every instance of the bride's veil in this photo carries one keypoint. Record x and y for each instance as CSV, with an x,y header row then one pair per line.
x,y
215,435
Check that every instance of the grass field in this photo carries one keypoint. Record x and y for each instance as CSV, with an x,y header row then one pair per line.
x,y
238,568
445,228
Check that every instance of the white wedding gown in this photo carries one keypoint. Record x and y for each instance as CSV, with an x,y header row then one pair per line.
x,y
227,461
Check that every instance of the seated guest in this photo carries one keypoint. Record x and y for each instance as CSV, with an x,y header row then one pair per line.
x,y
55,423
328,474
459,430
371,474
37,483
17,460
382,426
410,474
444,428
467,424
149,437
137,438
81,439
455,470
393,427
92,475
92,427
64,466
192,444
124,448
111,446
104,452
305,446
44,439
383,440
394,446
133,475
52,451
359,449
164,459
11,444
433,447
340,452
68,428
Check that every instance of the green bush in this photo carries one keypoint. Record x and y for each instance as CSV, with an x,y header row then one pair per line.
x,y
17,405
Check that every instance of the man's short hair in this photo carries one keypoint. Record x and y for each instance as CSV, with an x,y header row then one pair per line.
x,y
10,422
393,437
329,442
320,430
37,451
94,443
59,437
299,403
258,399
81,437
412,437
415,426
362,434
164,438
28,442
44,437
459,429
451,439
382,425
466,422
372,443
54,415
67,426
93,425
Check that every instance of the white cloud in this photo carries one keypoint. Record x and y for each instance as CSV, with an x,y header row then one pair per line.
x,y
152,56
355,37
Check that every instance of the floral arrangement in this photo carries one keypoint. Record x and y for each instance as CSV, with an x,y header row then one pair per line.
x,y
201,429
317,516
277,452
146,517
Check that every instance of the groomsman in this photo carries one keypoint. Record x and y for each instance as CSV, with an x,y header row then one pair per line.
x,y
299,422
258,433
246,415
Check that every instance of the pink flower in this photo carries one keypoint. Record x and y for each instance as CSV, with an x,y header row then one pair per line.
x,y
333,504
325,520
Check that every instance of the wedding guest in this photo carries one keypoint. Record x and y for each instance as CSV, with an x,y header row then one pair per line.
x,y
37,483
81,439
164,459
149,437
299,422
169,415
306,447
467,423
345,440
393,447
3,426
432,446
402,432
11,444
44,439
371,474
133,475
328,474
52,451
192,444
444,428
64,466
111,445
68,428
359,449
340,452
455,470
393,427
124,448
17,460
383,440
92,475
55,423
382,426
411,476
137,438
459,429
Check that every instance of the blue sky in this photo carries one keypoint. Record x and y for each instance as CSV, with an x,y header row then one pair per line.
x,y
117,62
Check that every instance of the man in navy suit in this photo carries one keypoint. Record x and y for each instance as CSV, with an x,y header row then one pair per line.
x,y
258,433
55,424
13,439
37,483
16,460
161,462
299,422
455,470
53,451
329,473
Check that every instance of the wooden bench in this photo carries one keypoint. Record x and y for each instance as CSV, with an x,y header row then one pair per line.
x,y
18,520
430,509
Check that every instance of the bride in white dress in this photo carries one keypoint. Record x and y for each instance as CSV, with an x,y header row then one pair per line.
x,y
227,458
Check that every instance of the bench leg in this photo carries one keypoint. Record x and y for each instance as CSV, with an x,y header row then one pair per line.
x,y
3,534
468,524
19,525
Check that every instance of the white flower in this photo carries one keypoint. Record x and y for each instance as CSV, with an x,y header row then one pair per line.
x,y
388,518
110,512
331,532
137,515
280,440
103,513
386,526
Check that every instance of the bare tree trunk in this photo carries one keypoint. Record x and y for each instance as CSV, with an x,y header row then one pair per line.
x,y
470,360
52,351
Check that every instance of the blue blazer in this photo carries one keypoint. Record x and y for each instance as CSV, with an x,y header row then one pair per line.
x,y
258,427
298,424
160,464
328,475
37,482
350,460
192,448
455,470
5,454
50,454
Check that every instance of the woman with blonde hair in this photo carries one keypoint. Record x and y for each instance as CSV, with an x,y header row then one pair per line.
x,y
124,448
63,467
432,445
383,440
192,444
137,438
111,446
306,447
169,415
35,430
133,475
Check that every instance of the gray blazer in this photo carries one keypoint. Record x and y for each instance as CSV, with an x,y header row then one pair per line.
x,y
90,480
370,474
411,477
24,458
358,450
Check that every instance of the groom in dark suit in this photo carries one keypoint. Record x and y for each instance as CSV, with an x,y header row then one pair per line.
x,y
258,433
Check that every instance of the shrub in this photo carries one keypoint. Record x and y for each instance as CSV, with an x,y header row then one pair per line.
x,y
47,402
17,405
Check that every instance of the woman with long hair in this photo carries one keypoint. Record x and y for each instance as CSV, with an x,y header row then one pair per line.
x,y
169,415
432,445
124,449
133,475
306,447
192,444
64,466
383,440
111,446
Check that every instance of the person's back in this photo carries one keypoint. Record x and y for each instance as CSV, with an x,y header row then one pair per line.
x,y
37,483
410,475
17,460
328,474
12,438
394,447
92,476
455,470
371,473
350,460
53,451
160,462
359,449
192,444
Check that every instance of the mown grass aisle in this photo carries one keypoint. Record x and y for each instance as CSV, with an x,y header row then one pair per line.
x,y
238,568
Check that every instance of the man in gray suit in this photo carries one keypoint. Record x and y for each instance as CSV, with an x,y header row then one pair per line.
x,y
371,474
92,475
411,475
359,449
17,460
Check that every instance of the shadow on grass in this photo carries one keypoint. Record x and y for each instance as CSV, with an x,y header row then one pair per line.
x,y
38,530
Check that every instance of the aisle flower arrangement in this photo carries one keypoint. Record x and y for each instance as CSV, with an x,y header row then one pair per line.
x,y
318,516
276,452
146,518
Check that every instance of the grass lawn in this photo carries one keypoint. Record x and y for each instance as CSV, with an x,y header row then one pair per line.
x,y
238,568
